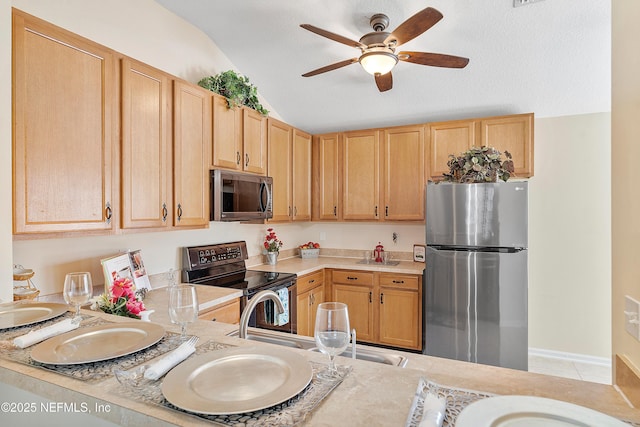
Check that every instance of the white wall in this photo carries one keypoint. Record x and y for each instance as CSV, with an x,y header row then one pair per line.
x,y
569,196
6,256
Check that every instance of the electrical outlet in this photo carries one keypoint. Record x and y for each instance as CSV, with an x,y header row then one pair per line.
x,y
632,316
323,236
518,3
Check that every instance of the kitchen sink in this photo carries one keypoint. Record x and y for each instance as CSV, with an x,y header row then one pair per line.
x,y
307,343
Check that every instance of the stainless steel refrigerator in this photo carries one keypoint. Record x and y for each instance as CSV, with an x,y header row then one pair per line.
x,y
475,294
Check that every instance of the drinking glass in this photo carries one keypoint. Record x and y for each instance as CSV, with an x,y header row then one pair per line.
x,y
183,306
77,291
332,333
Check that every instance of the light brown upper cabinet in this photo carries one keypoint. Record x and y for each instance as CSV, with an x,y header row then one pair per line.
x,y
404,176
64,130
301,176
227,135
192,150
279,168
325,185
254,140
360,175
289,164
239,138
146,146
513,134
447,138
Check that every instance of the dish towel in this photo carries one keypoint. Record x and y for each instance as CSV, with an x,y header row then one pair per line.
x,y
434,409
283,295
35,336
162,366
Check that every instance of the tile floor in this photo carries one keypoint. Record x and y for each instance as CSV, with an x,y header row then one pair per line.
x,y
577,370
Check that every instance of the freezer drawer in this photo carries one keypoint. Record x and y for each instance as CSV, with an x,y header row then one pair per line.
x,y
476,307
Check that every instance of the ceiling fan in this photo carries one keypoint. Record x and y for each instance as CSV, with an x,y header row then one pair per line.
x,y
378,55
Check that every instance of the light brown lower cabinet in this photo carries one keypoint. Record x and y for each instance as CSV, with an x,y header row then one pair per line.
x,y
384,308
228,312
310,288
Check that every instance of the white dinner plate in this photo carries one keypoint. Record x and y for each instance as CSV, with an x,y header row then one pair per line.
x,y
20,314
236,380
531,411
97,343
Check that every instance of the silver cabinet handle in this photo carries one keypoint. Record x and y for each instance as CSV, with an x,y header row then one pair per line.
x,y
108,212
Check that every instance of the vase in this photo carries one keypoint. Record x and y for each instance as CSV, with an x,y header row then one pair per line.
x,y
272,258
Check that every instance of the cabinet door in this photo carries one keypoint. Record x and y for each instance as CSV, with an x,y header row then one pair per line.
x,y
63,135
447,138
399,317
400,310
360,182
404,173
326,189
227,135
145,150
192,142
513,134
359,300
254,137
301,183
317,298
279,168
307,306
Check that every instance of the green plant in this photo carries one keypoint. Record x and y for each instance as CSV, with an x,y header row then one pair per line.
x,y
236,88
482,164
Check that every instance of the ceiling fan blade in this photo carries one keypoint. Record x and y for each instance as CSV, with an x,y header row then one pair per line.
x,y
384,81
333,36
434,59
331,67
414,26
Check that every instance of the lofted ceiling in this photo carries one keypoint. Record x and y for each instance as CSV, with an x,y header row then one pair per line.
x,y
551,57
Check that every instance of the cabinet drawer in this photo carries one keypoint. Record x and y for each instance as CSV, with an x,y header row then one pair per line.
x,y
399,281
228,312
353,277
310,281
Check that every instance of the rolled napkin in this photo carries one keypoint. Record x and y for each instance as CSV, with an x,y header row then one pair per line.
x,y
35,336
170,360
434,410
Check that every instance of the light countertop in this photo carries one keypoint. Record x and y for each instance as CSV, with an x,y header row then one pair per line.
x,y
302,266
373,394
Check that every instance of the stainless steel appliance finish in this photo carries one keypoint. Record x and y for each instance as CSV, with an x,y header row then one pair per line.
x,y
223,265
237,196
475,296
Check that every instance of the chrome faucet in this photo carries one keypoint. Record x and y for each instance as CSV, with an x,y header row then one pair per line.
x,y
251,305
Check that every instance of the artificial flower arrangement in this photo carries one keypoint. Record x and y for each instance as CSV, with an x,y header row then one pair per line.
x,y
121,300
271,241
482,164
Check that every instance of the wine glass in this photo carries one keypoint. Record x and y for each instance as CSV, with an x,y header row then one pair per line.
x,y
332,333
183,306
78,290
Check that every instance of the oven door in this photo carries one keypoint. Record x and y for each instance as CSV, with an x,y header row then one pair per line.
x,y
265,316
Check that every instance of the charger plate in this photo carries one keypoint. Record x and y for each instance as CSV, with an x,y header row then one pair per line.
x,y
516,411
14,315
97,343
236,380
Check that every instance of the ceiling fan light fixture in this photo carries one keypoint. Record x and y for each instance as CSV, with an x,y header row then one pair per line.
x,y
378,62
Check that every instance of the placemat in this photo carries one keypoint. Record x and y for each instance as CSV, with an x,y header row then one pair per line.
x,y
289,413
89,372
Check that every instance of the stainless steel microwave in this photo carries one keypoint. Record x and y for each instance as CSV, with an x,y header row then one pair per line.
x,y
237,196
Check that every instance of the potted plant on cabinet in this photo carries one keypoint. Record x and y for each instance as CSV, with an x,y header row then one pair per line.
x,y
482,164
236,88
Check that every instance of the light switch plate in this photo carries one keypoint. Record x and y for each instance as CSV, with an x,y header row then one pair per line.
x,y
632,316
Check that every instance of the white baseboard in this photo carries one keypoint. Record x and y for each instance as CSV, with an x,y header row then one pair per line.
x,y
571,357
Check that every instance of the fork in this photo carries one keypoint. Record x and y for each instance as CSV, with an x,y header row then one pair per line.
x,y
191,342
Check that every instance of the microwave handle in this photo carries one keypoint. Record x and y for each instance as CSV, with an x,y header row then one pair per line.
x,y
264,187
